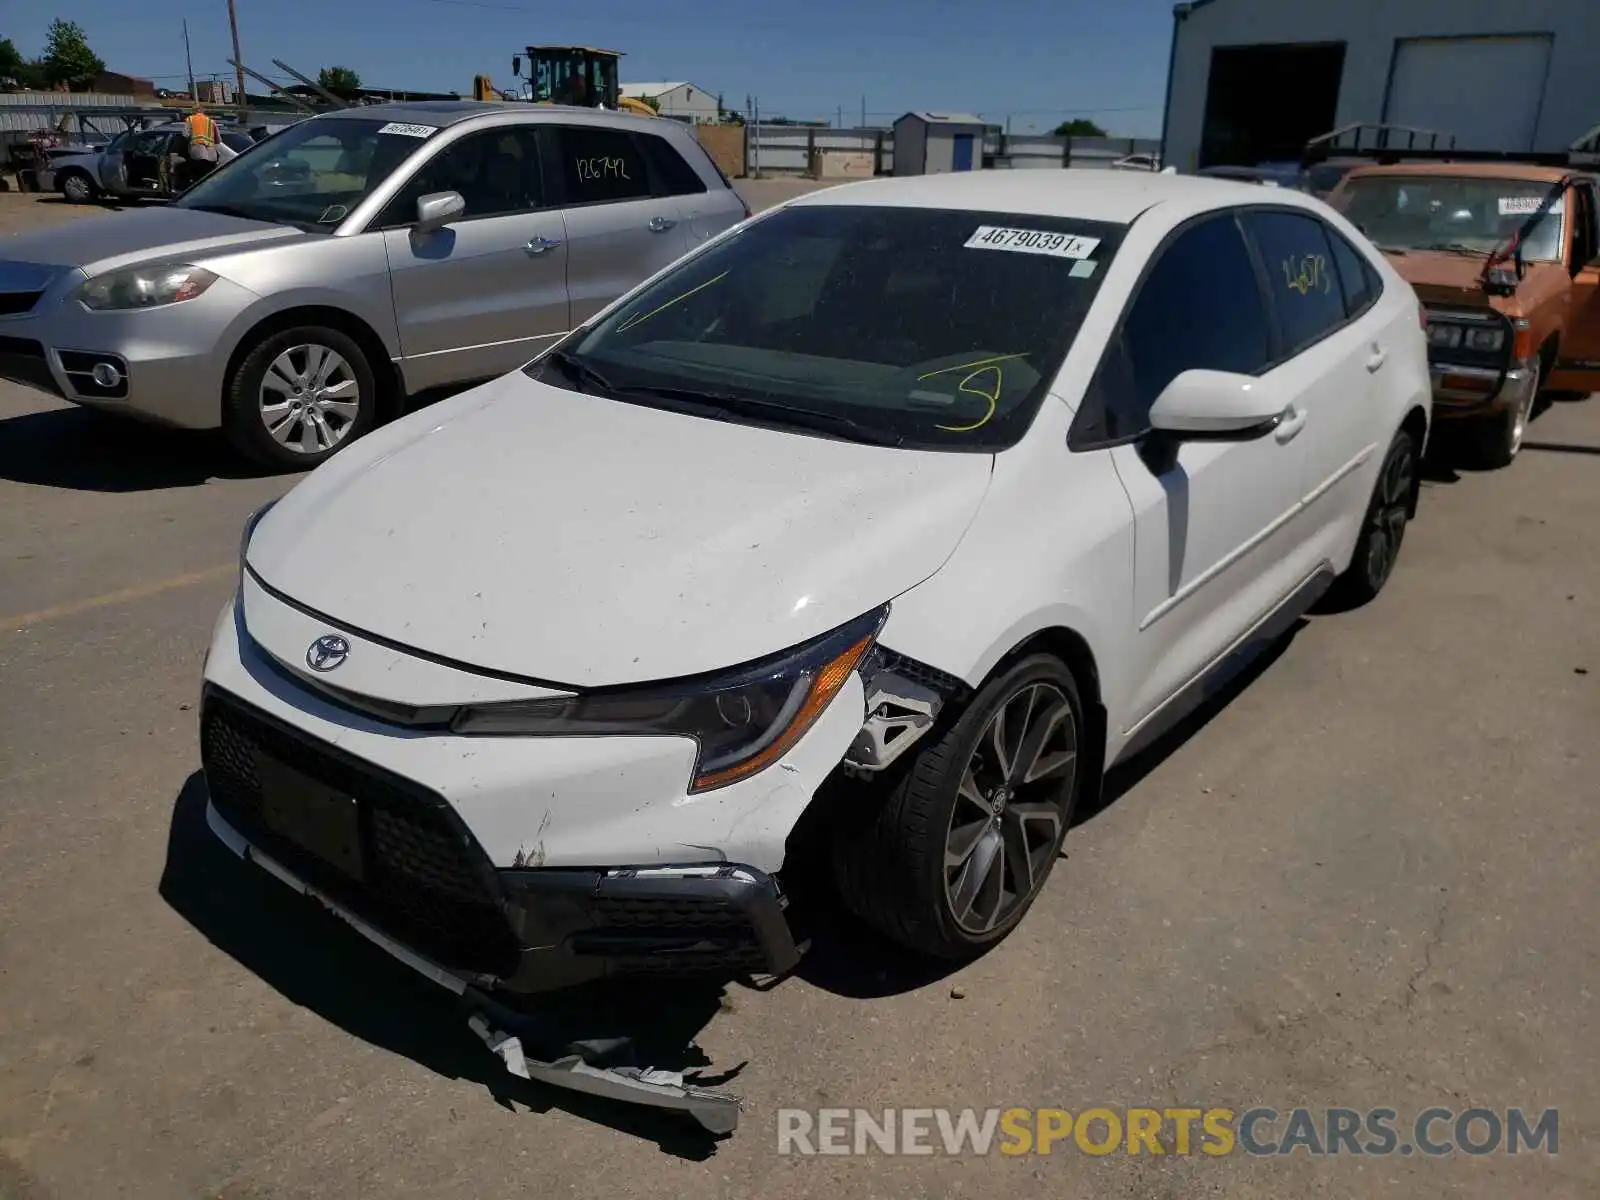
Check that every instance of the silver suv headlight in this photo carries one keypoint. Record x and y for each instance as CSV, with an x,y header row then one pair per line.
x,y
743,720
144,287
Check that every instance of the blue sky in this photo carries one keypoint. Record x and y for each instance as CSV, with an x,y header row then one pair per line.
x,y
1038,61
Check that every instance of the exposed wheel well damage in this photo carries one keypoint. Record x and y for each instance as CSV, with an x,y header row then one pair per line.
x,y
391,388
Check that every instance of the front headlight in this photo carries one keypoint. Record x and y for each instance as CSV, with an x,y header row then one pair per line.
x,y
743,720
144,287
1446,337
1485,339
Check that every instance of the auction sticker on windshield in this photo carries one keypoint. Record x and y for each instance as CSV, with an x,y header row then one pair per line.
x,y
1031,241
404,130
1525,206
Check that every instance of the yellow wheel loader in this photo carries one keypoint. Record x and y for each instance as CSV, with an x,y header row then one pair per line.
x,y
577,75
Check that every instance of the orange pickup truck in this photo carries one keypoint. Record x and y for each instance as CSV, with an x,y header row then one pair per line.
x,y
1505,257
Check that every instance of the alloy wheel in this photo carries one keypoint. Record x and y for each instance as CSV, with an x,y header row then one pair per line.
x,y
75,188
1391,509
1010,807
310,399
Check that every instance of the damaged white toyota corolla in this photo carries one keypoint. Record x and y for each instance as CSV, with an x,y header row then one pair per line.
x,y
946,491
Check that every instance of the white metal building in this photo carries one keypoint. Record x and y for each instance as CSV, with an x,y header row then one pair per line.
x,y
1252,80
930,143
683,101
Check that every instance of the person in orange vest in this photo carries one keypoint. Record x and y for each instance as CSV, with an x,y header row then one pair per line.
x,y
202,135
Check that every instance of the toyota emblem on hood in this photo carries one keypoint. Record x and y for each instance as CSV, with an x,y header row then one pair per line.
x,y
327,652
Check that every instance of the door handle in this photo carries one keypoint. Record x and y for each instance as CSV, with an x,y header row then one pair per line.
x,y
1290,422
1378,357
542,245
660,224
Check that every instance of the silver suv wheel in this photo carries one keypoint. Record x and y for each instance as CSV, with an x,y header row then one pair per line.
x,y
309,398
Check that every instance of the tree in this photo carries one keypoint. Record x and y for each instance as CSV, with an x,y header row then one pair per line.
x,y
67,57
343,82
1078,127
12,64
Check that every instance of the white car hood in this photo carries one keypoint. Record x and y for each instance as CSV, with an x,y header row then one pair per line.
x,y
581,541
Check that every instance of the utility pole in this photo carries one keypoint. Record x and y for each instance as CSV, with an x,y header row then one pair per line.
x,y
233,26
863,112
189,62
840,123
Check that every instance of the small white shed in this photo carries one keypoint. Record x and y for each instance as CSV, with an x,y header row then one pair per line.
x,y
930,143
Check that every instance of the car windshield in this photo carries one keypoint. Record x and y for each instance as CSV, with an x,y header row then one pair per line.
x,y
311,174
1464,215
923,328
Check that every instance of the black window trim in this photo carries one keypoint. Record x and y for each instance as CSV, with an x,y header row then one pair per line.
x,y
378,224
1079,442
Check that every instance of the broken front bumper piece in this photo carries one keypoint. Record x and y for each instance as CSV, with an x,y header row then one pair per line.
x,y
717,1112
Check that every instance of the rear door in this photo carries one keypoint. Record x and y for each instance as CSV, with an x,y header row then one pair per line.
x,y
1339,361
488,292
1217,543
1578,357
619,230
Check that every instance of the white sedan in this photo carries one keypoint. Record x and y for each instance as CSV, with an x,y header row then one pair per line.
x,y
946,493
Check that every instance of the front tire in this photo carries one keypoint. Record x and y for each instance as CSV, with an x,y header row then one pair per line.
x,y
1383,527
948,862
298,397
78,188
1496,440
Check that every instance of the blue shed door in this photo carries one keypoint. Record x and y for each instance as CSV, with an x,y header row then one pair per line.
x,y
962,160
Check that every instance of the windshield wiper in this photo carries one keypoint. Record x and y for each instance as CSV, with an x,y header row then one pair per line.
x,y
728,405
1460,248
578,371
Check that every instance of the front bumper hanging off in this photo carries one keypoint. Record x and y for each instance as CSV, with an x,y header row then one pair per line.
x,y
715,1111
395,862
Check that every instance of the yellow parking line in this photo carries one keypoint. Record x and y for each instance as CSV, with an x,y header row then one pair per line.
x,y
138,591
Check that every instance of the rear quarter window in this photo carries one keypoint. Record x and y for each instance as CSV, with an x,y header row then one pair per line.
x,y
672,176
1301,276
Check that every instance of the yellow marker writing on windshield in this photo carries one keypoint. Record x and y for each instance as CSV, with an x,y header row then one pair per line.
x,y
976,369
641,319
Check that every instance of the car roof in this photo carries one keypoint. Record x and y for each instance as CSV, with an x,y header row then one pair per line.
x,y
1116,197
1531,172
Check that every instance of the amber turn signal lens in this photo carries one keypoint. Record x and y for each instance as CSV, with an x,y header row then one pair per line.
x,y
824,687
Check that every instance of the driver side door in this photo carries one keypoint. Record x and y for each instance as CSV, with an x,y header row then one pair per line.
x,y
1578,359
1219,543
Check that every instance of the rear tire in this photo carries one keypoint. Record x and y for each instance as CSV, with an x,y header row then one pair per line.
x,y
298,396
950,859
1383,527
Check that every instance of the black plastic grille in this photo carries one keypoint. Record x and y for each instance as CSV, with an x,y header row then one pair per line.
x,y
708,936
424,880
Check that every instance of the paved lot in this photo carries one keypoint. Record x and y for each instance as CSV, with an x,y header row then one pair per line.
x,y
1367,878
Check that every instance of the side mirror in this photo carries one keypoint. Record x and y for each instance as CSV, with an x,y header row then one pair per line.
x,y
438,209
1215,405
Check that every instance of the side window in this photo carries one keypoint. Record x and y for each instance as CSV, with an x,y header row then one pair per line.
x,y
1200,307
495,170
599,165
1356,276
1300,276
673,176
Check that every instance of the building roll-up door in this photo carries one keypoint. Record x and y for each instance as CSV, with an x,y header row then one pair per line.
x,y
1487,91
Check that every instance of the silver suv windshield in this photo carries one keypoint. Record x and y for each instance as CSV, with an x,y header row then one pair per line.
x,y
310,174
1453,213
915,327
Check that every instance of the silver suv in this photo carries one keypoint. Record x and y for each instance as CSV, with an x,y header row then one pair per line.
x,y
298,295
